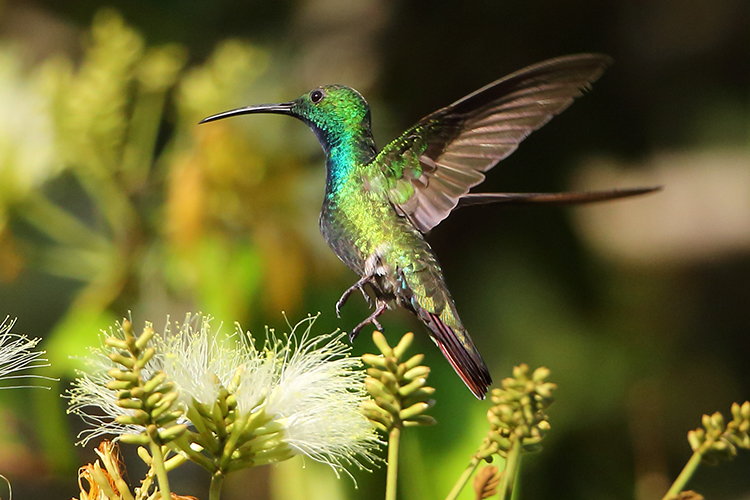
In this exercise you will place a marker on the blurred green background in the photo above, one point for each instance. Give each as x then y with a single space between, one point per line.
113 200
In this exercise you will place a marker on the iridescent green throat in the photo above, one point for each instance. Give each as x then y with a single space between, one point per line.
347 151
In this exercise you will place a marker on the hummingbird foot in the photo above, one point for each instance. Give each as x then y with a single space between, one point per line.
359 285
371 319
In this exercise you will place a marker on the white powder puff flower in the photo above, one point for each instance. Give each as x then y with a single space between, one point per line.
318 395
309 387
201 363
93 401
298 395
17 355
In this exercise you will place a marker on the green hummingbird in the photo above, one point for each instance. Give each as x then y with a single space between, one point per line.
378 206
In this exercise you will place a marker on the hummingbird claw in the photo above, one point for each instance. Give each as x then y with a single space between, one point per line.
353 335
359 285
371 319
339 303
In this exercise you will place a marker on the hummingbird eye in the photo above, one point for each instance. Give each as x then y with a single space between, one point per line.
316 96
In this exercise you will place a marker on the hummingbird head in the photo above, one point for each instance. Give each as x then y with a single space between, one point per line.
335 113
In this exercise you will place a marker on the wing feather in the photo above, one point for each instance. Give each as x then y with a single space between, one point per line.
445 154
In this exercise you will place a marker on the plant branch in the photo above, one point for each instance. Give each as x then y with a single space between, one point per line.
217 480
161 473
392 477
459 486
511 470
685 475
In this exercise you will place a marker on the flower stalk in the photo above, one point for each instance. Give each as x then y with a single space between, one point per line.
400 397
517 425
713 443
392 474
510 473
217 481
464 478
148 397
247 407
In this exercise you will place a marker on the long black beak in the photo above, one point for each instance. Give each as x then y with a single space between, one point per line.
284 108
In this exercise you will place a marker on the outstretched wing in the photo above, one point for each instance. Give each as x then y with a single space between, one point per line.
434 163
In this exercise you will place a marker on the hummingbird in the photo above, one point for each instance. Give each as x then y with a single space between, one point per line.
379 205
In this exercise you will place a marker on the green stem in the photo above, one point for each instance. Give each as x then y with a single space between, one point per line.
516 494
687 472
174 462
61 226
463 479
183 445
99 183
230 444
142 135
217 480
209 438
392 476
161 473
511 470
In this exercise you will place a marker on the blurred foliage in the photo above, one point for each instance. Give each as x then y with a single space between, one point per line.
112 199
125 196
198 216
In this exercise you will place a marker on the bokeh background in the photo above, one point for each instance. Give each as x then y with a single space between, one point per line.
113 200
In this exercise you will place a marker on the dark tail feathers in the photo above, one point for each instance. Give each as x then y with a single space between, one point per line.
466 360
570 198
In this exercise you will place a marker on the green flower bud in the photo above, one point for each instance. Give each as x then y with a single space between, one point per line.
412 387
116 343
132 404
375 373
398 388
386 405
416 372
155 382
382 344
414 361
144 338
153 399
172 433
403 345
139 417
745 410
420 420
116 385
167 399
125 361
376 361
518 413
412 411
717 420
168 418
145 358
378 390
540 374
391 366
144 454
